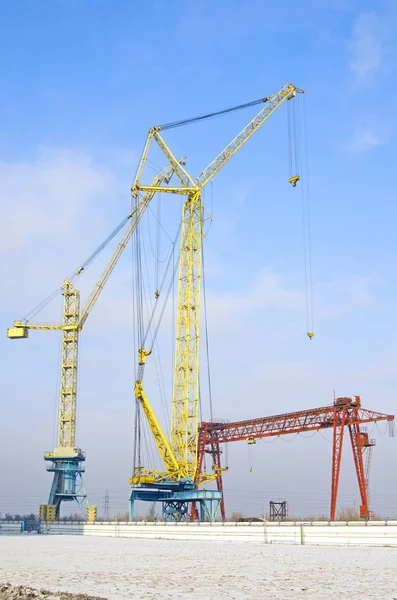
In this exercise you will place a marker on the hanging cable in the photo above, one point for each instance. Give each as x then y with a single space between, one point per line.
294 167
154 350
298 166
84 265
158 242
174 124
137 425
75 274
170 262
200 402
206 337
308 216
146 310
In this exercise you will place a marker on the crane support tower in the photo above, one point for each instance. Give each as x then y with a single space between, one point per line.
178 485
66 460
344 412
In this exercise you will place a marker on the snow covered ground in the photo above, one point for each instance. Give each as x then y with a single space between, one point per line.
121 569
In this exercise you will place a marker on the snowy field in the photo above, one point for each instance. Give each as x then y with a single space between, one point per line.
121 569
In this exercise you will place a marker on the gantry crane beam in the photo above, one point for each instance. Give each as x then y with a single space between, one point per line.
297 422
185 398
345 412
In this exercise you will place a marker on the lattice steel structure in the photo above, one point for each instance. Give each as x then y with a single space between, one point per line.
278 510
66 459
345 412
179 453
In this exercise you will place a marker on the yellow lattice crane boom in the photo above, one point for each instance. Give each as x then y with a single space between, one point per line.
66 457
179 454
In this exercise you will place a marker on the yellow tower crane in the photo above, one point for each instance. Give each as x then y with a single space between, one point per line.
178 484
66 459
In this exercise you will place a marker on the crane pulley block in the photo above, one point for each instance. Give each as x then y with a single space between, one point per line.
219 469
294 180
143 354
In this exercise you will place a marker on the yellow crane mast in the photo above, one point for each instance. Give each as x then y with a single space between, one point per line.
175 486
66 459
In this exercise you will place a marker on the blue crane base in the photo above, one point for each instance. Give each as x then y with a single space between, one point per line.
67 484
175 504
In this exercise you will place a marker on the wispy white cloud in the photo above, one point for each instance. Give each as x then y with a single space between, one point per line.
45 197
54 210
270 297
366 140
343 296
369 133
367 47
268 292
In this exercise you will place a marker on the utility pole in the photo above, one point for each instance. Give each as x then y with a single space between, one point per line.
106 516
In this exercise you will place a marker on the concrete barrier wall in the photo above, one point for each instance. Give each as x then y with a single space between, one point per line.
11 527
376 533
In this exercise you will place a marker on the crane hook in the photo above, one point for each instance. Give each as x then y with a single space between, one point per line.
310 335
294 180
142 354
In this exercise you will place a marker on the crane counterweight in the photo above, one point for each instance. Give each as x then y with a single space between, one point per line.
17 332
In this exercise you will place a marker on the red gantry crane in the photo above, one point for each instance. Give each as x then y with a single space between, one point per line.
344 412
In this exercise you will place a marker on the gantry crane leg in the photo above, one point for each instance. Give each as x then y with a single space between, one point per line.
355 438
216 459
202 441
215 452
339 430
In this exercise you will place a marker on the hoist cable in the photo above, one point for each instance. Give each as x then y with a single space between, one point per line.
307 236
306 159
295 109
304 242
158 239
168 291
144 305
74 275
162 228
161 385
155 251
152 327
212 114
151 319
134 320
30 315
289 134
99 249
156 353
206 338
298 162
200 401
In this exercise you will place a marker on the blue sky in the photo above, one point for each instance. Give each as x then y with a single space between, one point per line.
81 84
